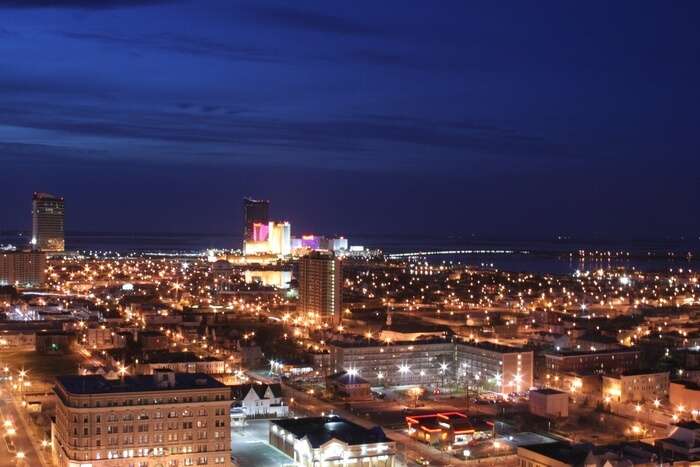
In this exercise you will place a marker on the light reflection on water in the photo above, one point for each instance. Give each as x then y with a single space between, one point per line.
544 256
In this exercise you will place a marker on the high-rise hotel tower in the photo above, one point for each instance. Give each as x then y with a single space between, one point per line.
47 222
320 286
254 212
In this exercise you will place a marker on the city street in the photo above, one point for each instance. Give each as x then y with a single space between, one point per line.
22 439
249 446
408 449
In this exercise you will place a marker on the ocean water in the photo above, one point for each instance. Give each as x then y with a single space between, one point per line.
558 256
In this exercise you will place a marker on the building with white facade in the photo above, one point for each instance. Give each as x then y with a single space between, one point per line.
549 403
259 400
331 440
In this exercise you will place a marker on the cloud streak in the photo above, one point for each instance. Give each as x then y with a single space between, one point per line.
177 43
218 132
80 4
307 20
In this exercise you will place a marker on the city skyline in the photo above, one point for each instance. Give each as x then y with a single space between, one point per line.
264 233
23 237
560 120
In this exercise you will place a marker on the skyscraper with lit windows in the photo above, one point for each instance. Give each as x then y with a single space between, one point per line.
254 212
48 222
320 286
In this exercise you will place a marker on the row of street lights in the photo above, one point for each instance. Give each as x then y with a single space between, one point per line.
8 425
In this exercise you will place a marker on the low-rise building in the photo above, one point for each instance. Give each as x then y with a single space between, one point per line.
19 339
562 454
153 340
179 362
169 419
331 441
434 361
348 386
549 403
448 429
54 341
636 386
604 361
585 384
99 338
683 442
394 363
494 367
259 400
146 363
595 342
684 395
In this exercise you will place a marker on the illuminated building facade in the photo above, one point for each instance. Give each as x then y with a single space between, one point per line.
684 395
604 361
320 286
316 242
48 222
23 268
254 212
168 419
280 239
549 403
395 364
273 238
494 367
331 440
312 242
274 278
635 386
452 429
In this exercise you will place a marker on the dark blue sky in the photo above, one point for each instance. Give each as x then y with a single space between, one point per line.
512 118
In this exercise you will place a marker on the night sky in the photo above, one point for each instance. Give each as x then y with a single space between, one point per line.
516 119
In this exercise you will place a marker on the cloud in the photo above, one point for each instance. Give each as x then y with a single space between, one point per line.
178 43
31 154
191 132
80 4
308 20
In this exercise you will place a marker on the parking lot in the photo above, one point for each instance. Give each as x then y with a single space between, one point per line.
249 446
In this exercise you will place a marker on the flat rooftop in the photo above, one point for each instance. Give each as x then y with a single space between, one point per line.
548 391
486 345
577 353
364 342
98 384
175 357
320 430
561 451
